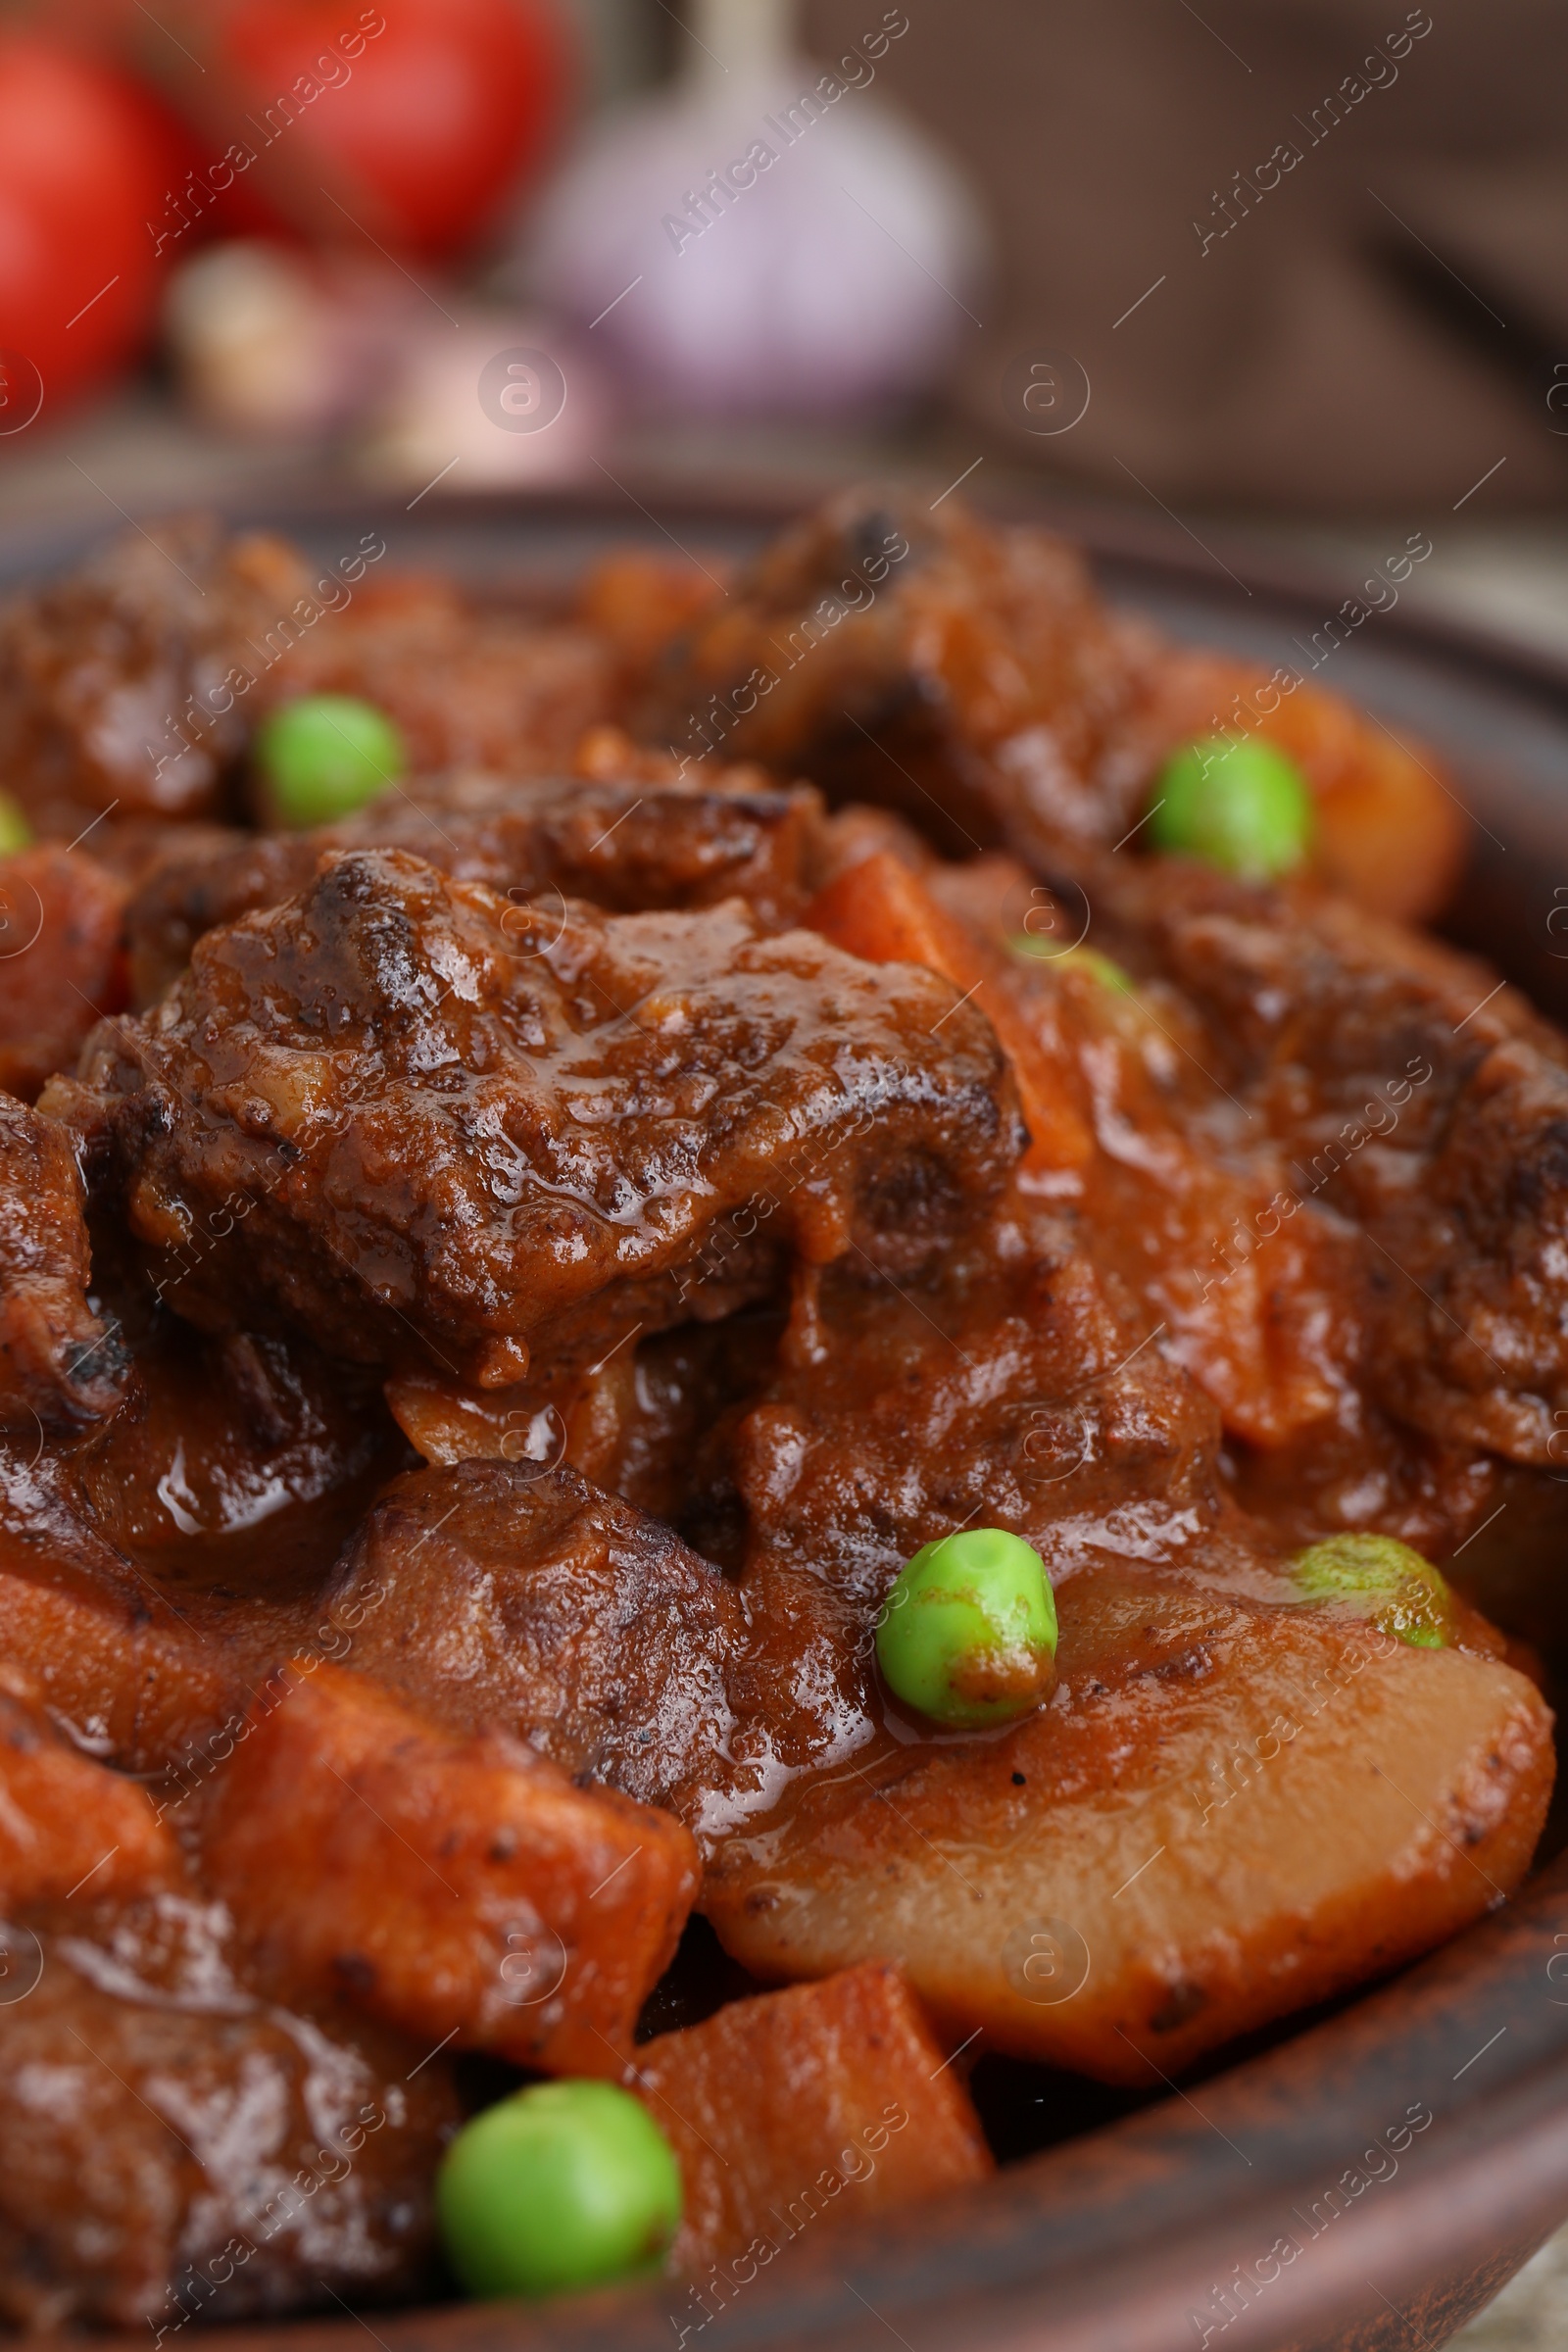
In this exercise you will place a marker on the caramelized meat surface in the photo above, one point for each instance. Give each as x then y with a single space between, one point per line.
628 847
973 678
61 1366
176 2152
170 2144
729 1181
60 961
513 1594
155 1573
1010 1389
467 685
420 1120
117 684
1412 1095
910 659
135 682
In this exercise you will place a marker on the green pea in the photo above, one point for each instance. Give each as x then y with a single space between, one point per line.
15 833
326 756
968 1633
1242 807
563 2184
1102 968
1387 1582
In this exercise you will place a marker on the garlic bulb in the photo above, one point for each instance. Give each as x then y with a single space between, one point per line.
771 239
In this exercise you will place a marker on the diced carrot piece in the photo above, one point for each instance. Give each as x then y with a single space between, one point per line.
125 1672
60 961
780 2106
1389 832
881 910
456 1887
67 1823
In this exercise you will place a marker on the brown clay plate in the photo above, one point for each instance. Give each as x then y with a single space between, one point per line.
1369 2179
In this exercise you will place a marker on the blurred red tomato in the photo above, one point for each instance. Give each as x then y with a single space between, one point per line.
435 110
85 162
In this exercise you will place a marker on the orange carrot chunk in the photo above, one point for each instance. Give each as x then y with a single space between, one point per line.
459 1887
833 2098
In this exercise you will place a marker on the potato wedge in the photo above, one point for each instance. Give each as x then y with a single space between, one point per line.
1228 1810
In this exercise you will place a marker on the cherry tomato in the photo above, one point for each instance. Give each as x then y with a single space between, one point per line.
85 162
426 113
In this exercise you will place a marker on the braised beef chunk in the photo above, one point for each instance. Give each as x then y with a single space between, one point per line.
183 899
157 1570
651 1422
1412 1094
135 682
424 1121
970 678
581 1624
61 962
1011 1389
467 683
628 847
163 2159
117 684
169 2145
61 1365
919 661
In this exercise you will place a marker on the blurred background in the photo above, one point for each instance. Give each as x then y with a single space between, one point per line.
1286 269
1295 267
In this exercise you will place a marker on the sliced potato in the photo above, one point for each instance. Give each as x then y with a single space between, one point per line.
1229 1810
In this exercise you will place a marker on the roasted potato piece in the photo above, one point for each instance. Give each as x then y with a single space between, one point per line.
1229 1810
457 1887
775 2106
